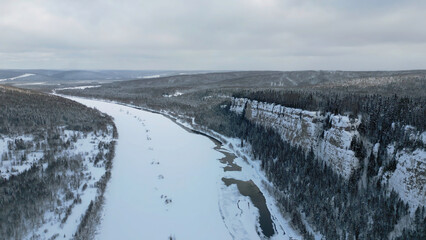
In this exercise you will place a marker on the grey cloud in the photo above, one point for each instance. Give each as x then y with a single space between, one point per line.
213 35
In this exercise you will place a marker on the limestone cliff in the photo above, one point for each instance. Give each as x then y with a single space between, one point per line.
330 137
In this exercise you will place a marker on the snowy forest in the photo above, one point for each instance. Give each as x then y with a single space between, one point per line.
45 176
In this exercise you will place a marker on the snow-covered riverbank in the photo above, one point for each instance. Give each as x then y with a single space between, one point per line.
167 182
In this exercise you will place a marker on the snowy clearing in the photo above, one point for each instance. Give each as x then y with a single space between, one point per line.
79 87
151 76
30 84
20 76
176 94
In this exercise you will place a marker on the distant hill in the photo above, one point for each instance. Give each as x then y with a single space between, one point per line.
383 82
27 77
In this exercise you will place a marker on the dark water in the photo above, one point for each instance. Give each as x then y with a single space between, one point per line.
228 159
249 189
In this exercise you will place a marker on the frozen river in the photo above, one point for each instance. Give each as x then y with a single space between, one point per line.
168 182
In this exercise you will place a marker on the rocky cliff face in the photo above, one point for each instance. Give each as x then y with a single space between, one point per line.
330 137
409 177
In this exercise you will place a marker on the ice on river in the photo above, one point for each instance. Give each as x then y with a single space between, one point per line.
167 182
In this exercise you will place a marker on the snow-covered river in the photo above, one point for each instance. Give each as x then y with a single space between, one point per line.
168 182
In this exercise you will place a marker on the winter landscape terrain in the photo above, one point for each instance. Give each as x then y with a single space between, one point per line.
239 120
347 157
243 155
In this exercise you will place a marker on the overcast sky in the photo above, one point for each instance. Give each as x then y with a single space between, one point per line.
213 35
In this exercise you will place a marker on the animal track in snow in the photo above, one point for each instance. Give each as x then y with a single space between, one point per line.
166 199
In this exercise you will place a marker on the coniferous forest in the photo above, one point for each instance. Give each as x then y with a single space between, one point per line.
42 132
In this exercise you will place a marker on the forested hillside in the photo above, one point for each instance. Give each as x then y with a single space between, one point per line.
56 157
24 111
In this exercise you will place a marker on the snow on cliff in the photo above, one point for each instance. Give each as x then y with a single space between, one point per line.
304 128
332 144
409 178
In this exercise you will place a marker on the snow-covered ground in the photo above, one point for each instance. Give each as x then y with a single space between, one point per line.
87 147
151 76
409 177
167 182
30 83
252 171
79 87
84 146
14 162
20 76
176 94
